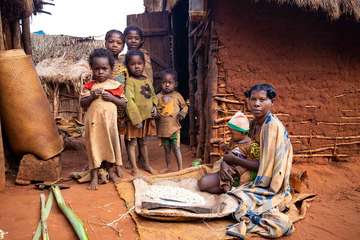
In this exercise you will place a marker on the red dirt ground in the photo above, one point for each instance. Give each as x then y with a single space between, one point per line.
335 214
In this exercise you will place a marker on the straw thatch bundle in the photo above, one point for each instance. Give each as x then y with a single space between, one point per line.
66 71
334 8
68 47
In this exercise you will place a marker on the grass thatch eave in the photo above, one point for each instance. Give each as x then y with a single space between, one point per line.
334 8
64 71
68 47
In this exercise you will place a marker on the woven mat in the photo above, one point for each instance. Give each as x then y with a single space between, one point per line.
152 229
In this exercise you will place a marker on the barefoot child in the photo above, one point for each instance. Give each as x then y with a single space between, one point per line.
114 42
241 146
101 97
172 109
141 108
134 38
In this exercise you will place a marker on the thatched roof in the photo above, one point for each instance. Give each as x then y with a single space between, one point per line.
61 70
55 46
17 9
334 8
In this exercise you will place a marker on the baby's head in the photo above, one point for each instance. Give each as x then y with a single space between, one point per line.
114 41
134 37
239 126
168 81
102 63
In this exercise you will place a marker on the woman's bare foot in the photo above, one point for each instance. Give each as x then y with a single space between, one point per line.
127 164
94 180
135 172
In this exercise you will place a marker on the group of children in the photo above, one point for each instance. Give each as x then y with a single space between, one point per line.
121 101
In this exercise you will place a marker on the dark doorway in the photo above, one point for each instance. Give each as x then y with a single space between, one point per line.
179 21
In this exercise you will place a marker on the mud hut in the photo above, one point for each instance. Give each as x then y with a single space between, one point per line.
309 50
61 62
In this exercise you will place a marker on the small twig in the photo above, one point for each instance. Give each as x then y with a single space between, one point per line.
121 217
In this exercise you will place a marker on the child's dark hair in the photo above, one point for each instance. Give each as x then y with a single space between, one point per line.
101 53
132 53
134 28
169 71
114 31
268 88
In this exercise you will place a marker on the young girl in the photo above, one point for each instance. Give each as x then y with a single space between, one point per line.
141 108
172 109
101 97
134 39
114 42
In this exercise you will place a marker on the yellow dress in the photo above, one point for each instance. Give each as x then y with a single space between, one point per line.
101 130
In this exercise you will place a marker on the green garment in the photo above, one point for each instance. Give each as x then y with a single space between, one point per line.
141 98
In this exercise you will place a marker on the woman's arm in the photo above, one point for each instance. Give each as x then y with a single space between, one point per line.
243 162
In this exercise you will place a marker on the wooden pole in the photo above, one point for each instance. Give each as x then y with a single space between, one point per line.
2 163
16 34
200 94
56 100
26 35
2 44
211 92
192 133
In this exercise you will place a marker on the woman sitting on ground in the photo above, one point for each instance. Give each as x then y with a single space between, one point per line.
262 201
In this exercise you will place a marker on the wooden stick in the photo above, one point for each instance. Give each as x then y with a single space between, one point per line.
220 99
26 35
212 79
224 94
56 100
319 155
218 126
192 133
328 147
355 117
325 137
331 123
220 120
200 93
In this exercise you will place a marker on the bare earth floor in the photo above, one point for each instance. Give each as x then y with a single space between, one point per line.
334 214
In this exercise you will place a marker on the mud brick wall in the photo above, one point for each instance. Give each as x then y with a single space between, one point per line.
313 63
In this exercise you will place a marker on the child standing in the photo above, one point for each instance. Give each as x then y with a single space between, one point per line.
172 109
101 97
114 42
141 108
134 38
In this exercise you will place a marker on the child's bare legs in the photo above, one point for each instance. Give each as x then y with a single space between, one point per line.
177 152
210 183
145 155
131 146
127 161
94 179
167 149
